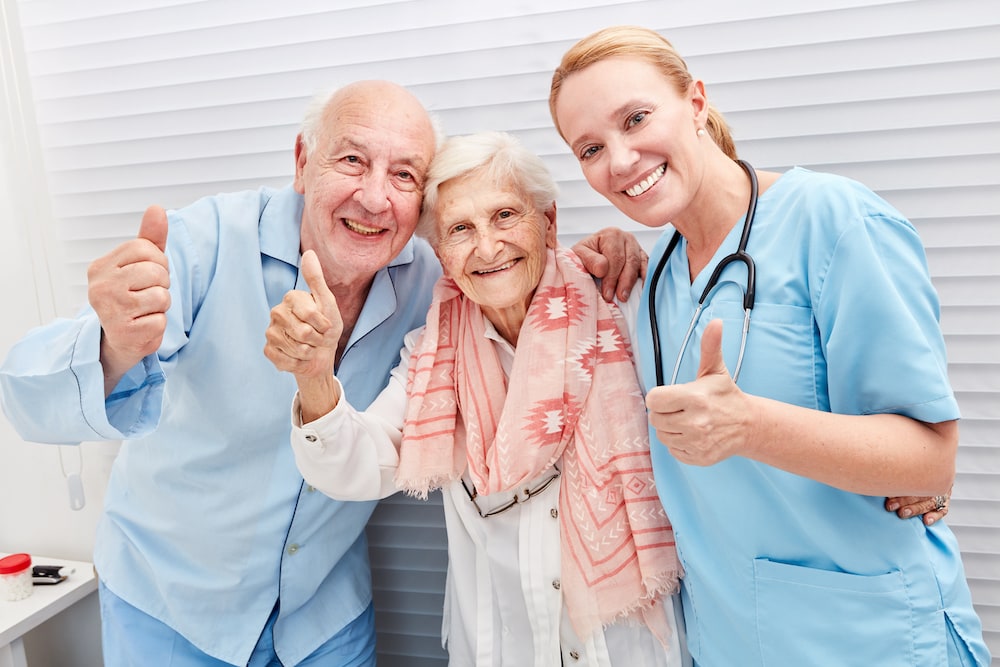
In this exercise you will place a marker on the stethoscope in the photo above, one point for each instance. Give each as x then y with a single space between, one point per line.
740 255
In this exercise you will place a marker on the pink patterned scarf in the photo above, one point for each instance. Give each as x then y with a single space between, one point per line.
576 398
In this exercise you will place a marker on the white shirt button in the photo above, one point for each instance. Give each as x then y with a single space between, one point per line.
575 655
555 584
311 438
554 513
293 549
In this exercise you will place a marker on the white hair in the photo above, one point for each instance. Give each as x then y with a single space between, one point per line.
312 121
505 161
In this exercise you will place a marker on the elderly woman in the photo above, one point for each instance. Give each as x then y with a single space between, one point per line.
519 399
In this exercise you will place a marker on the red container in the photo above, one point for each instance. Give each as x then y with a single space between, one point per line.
15 577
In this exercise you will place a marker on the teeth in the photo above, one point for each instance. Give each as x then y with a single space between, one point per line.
499 268
639 188
361 229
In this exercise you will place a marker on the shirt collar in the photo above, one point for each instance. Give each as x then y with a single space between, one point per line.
281 225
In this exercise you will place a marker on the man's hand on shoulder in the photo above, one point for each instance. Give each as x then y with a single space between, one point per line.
614 256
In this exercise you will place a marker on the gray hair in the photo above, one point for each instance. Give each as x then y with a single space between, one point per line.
312 121
505 161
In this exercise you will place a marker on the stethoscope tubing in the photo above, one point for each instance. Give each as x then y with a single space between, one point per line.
749 295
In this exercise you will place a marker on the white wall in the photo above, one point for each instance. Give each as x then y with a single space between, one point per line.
35 514
111 105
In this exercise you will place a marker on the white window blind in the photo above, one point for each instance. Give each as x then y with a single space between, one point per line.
159 101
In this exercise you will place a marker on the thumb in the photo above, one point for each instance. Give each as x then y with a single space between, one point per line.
154 226
312 271
712 362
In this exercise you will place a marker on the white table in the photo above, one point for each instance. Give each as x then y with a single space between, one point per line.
18 618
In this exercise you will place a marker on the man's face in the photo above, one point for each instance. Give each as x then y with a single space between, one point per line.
363 181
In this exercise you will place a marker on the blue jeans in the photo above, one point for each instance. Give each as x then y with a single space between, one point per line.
133 638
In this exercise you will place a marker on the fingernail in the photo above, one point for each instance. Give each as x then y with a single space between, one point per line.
907 512
893 507
930 522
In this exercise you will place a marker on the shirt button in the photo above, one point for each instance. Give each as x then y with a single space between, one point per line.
311 438
575 655
293 549
555 584
554 512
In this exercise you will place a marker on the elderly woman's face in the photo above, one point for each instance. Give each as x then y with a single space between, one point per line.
493 244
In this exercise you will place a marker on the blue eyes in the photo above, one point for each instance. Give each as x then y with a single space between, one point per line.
631 121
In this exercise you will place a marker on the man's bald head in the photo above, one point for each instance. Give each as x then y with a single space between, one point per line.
377 98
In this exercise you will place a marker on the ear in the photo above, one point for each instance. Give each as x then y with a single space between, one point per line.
699 102
301 155
551 232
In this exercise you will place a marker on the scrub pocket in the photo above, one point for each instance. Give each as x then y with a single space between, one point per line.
807 616
783 355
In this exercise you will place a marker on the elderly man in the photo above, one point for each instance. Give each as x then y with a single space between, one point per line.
211 549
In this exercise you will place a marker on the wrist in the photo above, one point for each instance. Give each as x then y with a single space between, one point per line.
317 396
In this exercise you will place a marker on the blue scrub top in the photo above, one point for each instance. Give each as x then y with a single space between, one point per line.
780 569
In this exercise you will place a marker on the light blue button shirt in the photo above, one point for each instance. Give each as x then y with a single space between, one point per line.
207 520
780 569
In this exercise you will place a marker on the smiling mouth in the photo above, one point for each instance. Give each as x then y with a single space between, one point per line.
362 229
502 267
646 184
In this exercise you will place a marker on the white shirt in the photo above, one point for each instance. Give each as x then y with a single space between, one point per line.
503 601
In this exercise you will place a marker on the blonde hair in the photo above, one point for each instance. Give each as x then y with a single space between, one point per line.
644 44
504 160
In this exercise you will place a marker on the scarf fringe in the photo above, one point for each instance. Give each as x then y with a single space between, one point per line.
666 584
421 488
662 586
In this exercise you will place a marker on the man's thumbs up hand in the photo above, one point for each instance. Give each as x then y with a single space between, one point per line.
153 227
129 290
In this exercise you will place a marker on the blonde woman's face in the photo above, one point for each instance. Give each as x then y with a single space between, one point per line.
634 136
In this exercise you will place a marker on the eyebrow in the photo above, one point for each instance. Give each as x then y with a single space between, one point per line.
617 112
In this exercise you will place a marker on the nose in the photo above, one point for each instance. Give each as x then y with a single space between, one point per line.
488 243
373 193
623 157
